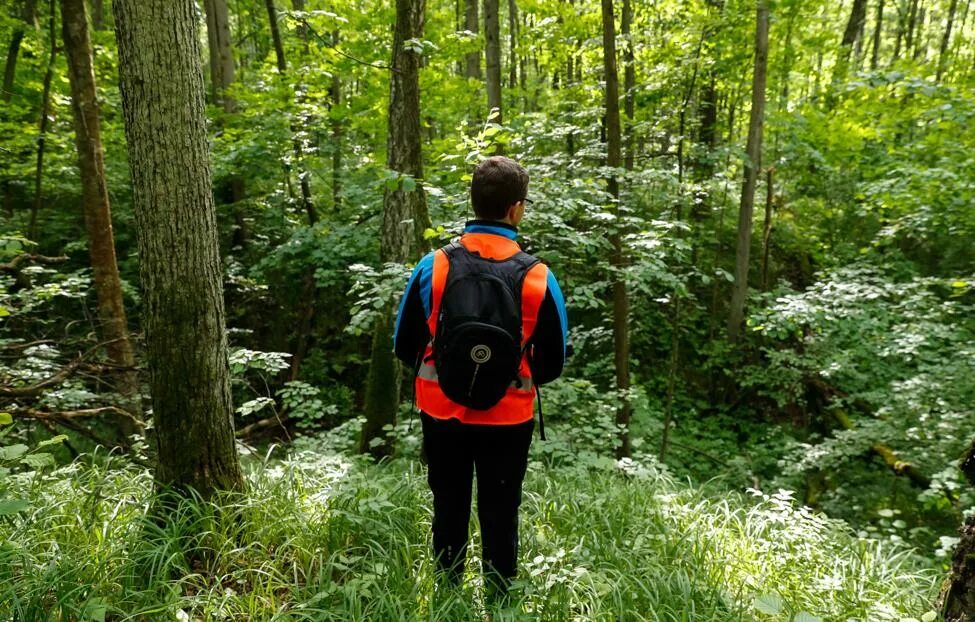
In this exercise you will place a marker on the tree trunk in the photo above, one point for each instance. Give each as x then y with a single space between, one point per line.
222 75
958 593
162 91
877 32
851 40
767 227
272 15
10 68
222 69
629 81
621 337
97 14
472 24
32 232
946 39
282 64
920 45
405 218
512 44
94 196
753 161
911 23
492 54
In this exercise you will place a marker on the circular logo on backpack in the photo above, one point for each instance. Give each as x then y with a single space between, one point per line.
480 354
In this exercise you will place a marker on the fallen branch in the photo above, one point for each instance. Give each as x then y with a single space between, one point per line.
63 415
35 389
882 450
264 424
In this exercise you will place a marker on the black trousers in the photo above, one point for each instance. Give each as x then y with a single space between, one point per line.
499 456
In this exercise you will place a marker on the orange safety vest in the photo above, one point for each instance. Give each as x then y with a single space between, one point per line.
517 404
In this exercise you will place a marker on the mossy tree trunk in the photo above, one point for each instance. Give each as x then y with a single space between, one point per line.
958 595
161 84
405 218
95 204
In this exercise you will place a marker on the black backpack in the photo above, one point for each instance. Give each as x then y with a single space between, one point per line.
477 348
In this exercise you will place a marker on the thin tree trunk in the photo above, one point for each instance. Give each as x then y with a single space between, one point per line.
629 81
162 91
97 211
97 14
32 232
753 161
472 24
957 600
492 53
10 67
512 44
282 65
877 32
222 75
946 39
621 337
222 68
405 218
920 45
767 232
911 23
850 41
272 15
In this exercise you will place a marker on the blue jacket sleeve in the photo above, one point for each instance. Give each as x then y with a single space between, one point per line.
411 334
549 341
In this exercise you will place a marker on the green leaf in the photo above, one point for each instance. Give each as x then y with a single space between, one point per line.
38 461
12 506
409 184
12 452
772 604
805 616
929 616
54 440
6 419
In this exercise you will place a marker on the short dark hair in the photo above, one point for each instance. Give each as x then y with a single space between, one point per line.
497 184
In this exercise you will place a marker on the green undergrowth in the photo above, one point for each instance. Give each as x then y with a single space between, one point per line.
321 537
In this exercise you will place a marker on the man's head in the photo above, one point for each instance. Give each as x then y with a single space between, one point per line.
498 190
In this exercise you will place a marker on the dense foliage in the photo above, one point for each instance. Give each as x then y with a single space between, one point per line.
852 385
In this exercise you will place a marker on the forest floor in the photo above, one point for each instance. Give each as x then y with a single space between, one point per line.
332 537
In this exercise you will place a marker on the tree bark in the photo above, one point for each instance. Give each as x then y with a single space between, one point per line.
97 14
32 232
621 337
472 60
512 44
95 203
272 15
851 39
405 218
222 69
767 227
957 598
10 67
877 32
946 39
753 162
629 81
162 92
492 54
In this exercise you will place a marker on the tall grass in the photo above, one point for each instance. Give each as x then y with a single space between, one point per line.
333 538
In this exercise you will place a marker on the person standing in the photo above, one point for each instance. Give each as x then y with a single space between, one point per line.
483 324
